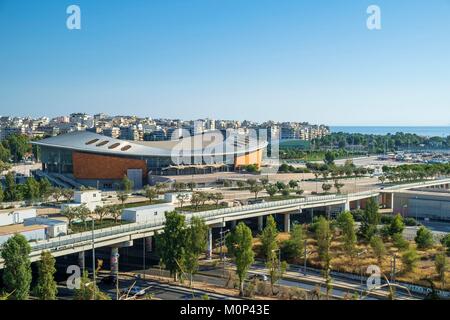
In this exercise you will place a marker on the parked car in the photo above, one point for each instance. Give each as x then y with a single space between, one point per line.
260 277
135 291
255 201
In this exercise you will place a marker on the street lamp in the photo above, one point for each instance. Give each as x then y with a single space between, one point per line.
93 257
222 240
361 270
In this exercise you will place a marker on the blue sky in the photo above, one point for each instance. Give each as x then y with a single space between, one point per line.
286 60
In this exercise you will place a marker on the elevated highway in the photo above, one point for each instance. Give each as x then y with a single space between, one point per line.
80 242
115 236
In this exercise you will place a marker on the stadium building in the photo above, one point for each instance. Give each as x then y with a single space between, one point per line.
100 161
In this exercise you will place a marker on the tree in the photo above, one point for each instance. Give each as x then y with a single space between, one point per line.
195 244
256 189
347 224
324 239
397 225
378 248
70 213
217 197
329 158
240 184
67 194
4 166
371 218
83 213
269 237
12 192
409 260
294 246
56 193
446 242
264 181
31 189
441 266
424 238
170 242
18 146
399 242
101 212
17 267
122 196
2 195
5 154
45 188
326 187
46 286
178 186
115 212
338 186
86 290
271 190
251 182
150 193
182 198
293 184
276 268
280 185
239 244
126 184
192 185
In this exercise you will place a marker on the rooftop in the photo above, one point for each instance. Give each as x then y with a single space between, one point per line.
199 145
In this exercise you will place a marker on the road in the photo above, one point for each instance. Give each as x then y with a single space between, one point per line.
294 277
159 291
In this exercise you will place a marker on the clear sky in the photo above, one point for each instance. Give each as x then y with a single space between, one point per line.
286 60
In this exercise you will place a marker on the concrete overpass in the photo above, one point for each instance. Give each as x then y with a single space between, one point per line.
125 234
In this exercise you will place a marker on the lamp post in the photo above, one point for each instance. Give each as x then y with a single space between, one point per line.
361 271
222 239
93 258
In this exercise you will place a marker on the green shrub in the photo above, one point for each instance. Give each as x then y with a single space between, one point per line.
400 242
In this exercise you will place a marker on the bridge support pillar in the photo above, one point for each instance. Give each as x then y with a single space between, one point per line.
358 204
81 260
260 223
312 214
114 261
287 222
347 206
328 212
392 201
149 244
209 246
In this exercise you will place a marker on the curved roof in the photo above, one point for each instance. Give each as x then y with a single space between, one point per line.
208 144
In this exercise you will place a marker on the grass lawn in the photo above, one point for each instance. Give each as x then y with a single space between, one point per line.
425 268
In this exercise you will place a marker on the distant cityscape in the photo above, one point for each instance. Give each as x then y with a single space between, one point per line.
147 129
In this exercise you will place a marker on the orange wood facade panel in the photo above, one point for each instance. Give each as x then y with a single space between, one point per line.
94 166
250 158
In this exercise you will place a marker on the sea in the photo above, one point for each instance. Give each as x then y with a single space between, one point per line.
382 130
